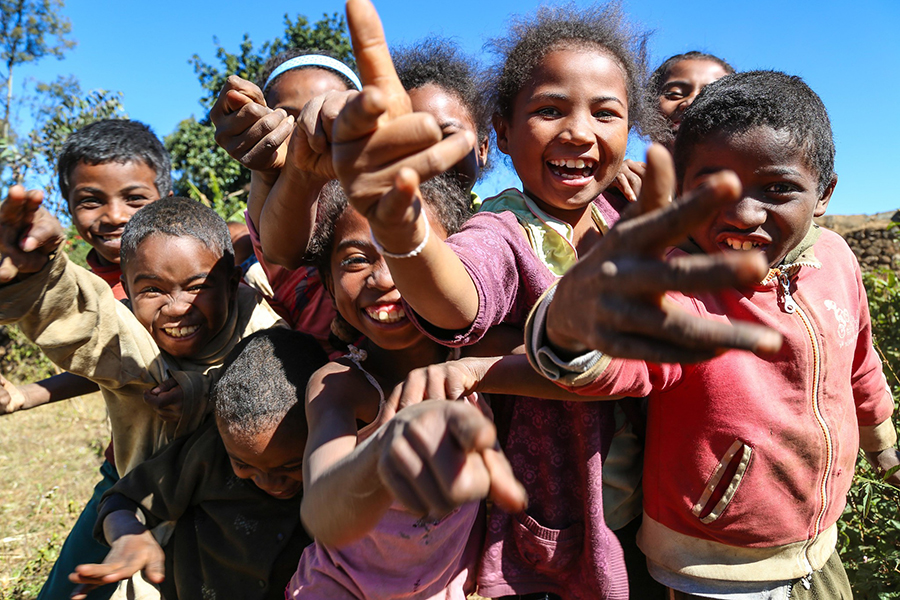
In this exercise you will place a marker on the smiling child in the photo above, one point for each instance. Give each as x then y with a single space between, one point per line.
188 312
233 487
749 458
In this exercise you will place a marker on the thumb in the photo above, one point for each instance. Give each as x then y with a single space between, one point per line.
155 572
506 491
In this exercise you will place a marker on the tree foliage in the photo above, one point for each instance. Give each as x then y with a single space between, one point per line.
206 172
29 31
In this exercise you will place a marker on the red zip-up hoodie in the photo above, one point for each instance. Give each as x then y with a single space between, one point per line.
749 459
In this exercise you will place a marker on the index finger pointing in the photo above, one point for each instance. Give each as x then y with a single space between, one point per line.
372 55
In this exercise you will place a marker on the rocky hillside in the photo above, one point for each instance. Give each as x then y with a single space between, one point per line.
875 242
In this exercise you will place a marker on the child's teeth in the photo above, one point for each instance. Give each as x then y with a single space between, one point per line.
182 331
579 164
382 315
747 245
570 164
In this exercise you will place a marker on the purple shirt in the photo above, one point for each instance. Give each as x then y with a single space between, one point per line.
561 544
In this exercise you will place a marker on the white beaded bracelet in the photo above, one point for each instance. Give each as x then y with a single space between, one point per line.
414 252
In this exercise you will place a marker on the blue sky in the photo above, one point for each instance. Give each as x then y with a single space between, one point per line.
848 52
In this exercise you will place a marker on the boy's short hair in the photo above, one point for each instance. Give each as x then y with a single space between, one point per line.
263 378
115 140
282 57
743 101
178 217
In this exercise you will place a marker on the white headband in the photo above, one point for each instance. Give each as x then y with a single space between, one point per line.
314 60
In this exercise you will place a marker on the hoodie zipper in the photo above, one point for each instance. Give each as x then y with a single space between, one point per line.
790 306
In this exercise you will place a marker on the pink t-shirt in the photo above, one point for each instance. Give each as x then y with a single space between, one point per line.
402 557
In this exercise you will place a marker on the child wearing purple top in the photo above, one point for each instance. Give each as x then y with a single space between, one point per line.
567 94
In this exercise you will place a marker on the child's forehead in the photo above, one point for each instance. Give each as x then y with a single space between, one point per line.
160 250
759 144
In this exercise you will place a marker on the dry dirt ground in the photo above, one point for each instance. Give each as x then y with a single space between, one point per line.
49 460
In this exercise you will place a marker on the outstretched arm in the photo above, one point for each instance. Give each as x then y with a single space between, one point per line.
132 549
53 389
381 150
431 457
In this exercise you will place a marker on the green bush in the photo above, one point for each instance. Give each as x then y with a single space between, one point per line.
869 540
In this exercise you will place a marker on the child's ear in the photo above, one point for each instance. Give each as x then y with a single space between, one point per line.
482 152
822 203
500 126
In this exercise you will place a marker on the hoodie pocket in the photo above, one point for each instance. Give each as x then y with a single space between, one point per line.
723 484
545 549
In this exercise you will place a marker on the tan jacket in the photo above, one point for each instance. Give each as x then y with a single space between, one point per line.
77 322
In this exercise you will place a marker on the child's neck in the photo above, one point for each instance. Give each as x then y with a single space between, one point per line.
584 231
392 366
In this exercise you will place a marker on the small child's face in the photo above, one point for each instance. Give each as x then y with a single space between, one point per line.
296 87
568 129
181 291
103 198
362 286
452 116
272 459
684 80
779 199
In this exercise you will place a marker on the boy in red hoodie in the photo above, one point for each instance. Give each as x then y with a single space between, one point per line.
749 458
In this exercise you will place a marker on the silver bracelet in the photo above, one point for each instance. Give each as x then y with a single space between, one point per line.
414 252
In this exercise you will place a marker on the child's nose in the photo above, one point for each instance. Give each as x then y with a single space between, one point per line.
746 213
117 213
380 277
578 128
179 303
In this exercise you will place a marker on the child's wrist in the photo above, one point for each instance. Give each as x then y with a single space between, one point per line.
401 241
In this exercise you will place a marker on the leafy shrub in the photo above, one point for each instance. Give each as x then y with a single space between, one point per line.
869 539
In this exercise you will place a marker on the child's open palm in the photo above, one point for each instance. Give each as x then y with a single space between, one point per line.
28 233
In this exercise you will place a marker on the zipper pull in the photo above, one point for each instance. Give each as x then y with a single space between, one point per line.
787 301
806 581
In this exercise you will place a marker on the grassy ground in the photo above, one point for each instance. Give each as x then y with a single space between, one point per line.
49 458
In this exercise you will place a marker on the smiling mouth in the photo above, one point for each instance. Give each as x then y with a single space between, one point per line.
180 332
743 245
572 168
387 314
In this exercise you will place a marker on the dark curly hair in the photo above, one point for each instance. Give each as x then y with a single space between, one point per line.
114 140
603 27
177 217
441 62
658 77
263 379
449 203
743 101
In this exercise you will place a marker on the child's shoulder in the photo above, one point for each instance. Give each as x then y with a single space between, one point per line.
343 385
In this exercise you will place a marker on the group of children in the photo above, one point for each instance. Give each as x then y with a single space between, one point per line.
562 352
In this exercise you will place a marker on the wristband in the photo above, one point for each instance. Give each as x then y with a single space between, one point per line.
414 252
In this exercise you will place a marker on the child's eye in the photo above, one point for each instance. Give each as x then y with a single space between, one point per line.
137 199
605 114
673 95
548 111
198 287
355 260
89 202
780 189
150 292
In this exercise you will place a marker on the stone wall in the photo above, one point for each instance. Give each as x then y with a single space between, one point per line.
871 237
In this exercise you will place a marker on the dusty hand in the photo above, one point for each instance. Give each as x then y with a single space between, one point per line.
251 132
309 149
128 554
377 135
613 299
11 397
629 179
167 399
438 455
28 233
883 462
